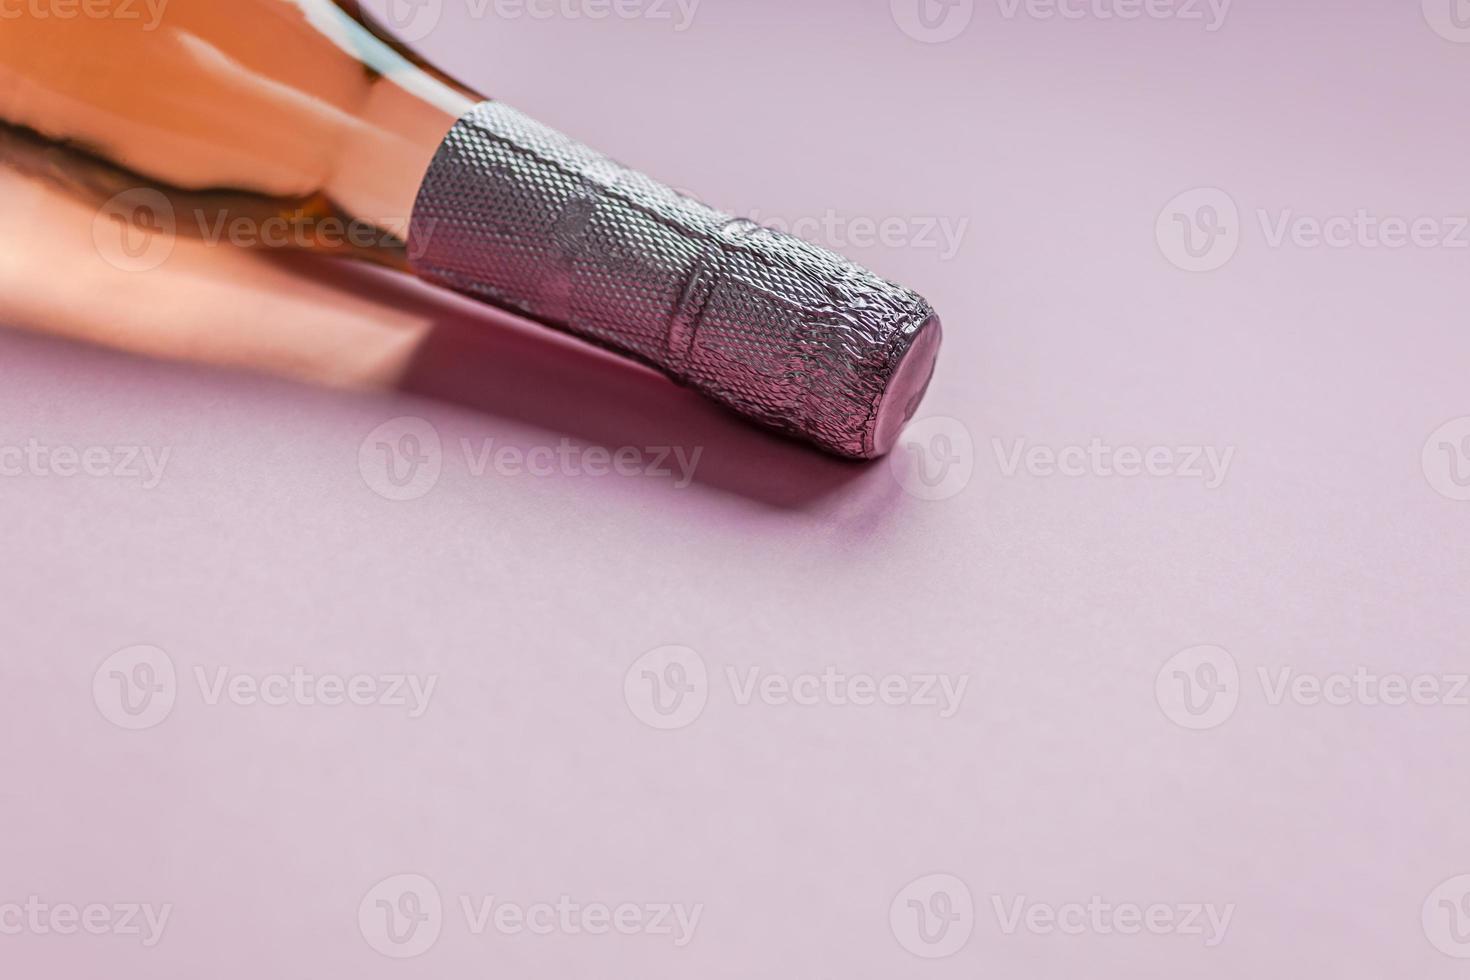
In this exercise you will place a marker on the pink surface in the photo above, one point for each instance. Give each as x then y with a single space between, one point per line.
1128 769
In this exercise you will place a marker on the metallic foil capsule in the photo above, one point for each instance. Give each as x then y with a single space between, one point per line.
782 331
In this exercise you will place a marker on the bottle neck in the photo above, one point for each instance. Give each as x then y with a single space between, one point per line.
287 105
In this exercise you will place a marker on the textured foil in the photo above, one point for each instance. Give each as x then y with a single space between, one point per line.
782 331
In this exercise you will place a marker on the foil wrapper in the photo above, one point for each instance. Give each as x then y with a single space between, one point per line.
784 332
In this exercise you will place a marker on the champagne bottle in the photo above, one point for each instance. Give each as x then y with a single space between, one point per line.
301 124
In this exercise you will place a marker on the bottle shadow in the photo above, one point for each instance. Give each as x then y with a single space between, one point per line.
319 320
500 365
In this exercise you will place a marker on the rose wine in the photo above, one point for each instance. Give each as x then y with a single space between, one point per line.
232 108
300 124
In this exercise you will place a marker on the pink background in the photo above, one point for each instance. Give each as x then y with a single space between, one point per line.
1327 548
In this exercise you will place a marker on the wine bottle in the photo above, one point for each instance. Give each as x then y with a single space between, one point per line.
302 124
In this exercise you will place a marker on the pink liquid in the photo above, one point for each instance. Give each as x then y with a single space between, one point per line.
235 109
